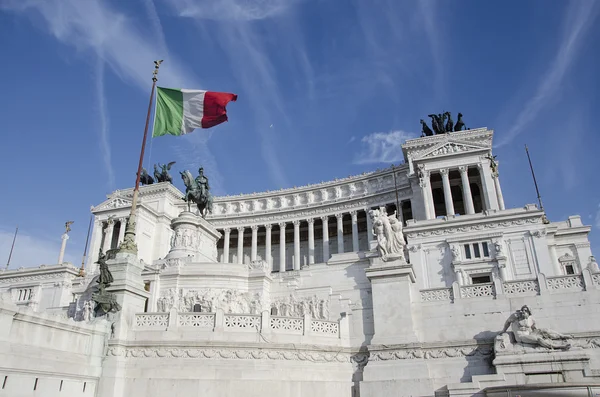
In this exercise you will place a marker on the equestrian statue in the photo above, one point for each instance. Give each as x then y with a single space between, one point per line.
197 191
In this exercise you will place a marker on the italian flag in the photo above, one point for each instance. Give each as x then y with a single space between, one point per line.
180 111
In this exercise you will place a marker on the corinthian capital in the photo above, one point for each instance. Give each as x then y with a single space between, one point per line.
444 172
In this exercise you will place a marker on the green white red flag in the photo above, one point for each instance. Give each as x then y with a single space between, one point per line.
180 111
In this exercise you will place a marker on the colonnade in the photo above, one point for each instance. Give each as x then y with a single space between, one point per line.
358 225
108 236
466 181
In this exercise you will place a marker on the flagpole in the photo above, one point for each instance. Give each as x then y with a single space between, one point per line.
537 190
87 239
11 248
128 245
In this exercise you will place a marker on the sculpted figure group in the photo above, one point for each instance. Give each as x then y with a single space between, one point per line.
442 123
230 301
525 331
293 307
161 174
388 231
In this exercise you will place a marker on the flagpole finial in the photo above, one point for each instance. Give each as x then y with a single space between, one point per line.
155 72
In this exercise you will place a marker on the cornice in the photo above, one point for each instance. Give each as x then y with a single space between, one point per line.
38 273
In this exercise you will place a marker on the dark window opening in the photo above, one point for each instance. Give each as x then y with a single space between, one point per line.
481 279
35 384
406 210
467 251
84 384
486 251
197 308
4 383
569 269
457 200
60 387
476 252
273 311
114 243
439 204
146 306
477 199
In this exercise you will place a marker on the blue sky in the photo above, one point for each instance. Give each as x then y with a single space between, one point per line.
326 89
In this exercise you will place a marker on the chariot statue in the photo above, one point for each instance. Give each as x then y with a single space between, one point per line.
145 178
163 175
197 191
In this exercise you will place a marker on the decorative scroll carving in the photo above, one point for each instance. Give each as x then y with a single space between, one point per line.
258 264
229 353
478 227
437 294
435 353
230 301
294 307
538 233
324 327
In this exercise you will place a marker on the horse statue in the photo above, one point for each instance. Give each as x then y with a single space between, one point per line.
146 179
459 123
426 130
197 193
449 123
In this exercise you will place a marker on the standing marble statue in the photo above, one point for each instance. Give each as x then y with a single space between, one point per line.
87 311
388 231
523 327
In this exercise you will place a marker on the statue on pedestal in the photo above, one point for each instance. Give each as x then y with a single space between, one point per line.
388 231
197 191
105 301
523 327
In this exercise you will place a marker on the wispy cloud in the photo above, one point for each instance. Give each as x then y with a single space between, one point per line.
104 124
239 38
112 35
232 10
578 19
29 250
598 217
382 147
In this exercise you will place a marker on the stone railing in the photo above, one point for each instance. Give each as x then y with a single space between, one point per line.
325 327
231 322
152 320
196 320
571 282
542 285
521 287
477 290
292 325
242 321
437 294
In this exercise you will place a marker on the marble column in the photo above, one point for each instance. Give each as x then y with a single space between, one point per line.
311 241
227 232
254 248
108 235
63 246
240 247
325 220
354 231
485 187
296 245
94 247
425 184
340 232
447 191
369 228
282 247
122 231
499 195
466 189
268 257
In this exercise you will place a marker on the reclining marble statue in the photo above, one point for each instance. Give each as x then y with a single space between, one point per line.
525 331
388 232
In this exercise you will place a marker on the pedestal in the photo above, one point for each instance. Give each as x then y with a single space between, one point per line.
393 287
194 239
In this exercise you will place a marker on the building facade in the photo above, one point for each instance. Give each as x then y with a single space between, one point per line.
284 293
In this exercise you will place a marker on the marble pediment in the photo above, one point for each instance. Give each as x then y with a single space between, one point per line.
450 148
113 203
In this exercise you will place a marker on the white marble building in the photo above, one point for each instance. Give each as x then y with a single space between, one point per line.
283 293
